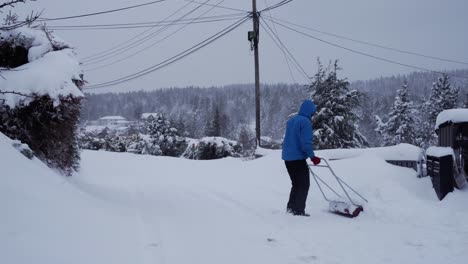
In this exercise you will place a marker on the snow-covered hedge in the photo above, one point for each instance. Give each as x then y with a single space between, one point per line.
40 95
209 148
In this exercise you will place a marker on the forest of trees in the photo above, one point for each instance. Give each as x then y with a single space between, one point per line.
229 111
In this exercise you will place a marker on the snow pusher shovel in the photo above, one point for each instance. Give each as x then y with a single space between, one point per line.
343 208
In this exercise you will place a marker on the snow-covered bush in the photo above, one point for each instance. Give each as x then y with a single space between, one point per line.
40 96
164 135
209 148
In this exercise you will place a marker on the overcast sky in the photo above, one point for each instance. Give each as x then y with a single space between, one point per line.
431 27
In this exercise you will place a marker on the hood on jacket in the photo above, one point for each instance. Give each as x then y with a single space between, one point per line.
307 109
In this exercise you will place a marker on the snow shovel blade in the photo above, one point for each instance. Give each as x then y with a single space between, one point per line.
345 209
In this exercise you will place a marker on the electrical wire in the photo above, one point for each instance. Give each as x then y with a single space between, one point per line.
147 26
152 45
276 5
372 44
101 12
137 43
220 6
144 24
365 54
99 54
284 49
173 59
284 53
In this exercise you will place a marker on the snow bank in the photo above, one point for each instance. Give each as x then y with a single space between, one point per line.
46 219
47 73
124 208
397 153
452 115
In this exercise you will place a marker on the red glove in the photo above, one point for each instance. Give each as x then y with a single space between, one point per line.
316 160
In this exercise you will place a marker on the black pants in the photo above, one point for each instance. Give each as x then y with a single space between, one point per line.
299 174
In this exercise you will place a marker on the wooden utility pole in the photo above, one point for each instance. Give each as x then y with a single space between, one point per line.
254 37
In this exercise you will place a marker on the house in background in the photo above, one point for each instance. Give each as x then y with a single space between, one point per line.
113 121
145 116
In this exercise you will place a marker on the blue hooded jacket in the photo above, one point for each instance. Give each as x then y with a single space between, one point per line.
297 144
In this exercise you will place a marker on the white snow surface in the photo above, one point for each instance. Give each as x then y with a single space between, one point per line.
401 151
452 115
440 152
126 208
47 73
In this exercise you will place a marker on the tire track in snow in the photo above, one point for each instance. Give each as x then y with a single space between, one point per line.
152 249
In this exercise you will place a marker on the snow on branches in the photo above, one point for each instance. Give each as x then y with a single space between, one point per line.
335 120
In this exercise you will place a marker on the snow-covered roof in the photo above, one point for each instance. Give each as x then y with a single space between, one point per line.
440 151
452 115
112 118
146 115
47 73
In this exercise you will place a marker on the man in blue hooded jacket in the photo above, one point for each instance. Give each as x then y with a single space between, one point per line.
297 148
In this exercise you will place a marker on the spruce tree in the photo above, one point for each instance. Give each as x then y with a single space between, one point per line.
335 120
465 103
443 96
213 127
400 126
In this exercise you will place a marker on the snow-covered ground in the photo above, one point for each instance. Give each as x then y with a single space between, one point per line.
126 208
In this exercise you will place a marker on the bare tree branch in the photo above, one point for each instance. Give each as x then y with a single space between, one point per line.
12 3
28 21
17 93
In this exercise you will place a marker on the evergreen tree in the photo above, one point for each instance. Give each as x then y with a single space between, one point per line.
465 103
335 119
213 128
443 96
400 127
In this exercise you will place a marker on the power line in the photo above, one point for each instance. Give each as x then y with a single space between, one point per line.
284 53
220 6
153 44
140 41
284 49
143 24
365 54
90 57
101 12
173 59
276 5
147 26
372 44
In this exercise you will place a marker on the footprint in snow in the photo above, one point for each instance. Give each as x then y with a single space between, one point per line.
308 259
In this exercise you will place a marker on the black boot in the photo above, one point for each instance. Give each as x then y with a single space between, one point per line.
302 214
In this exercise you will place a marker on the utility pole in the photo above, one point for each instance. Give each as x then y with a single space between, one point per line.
253 38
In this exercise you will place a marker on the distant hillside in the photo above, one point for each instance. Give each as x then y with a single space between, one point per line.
419 84
194 107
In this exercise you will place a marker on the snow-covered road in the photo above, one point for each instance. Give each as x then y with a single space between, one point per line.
125 208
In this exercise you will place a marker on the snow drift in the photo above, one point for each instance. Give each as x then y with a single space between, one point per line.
126 208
